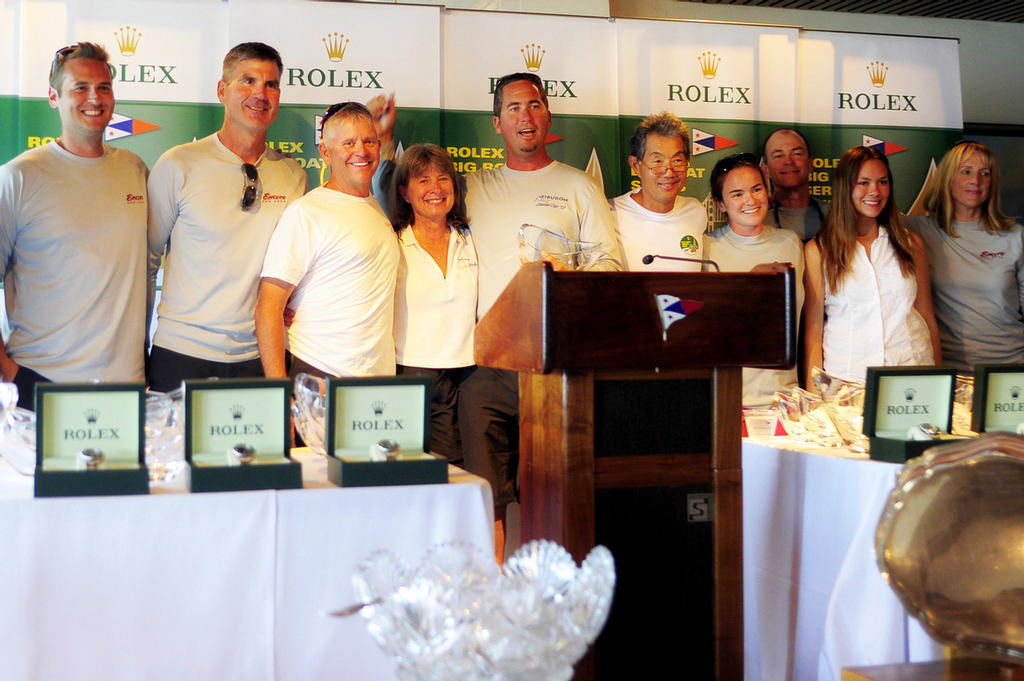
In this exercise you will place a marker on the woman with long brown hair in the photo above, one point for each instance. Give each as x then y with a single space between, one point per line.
866 284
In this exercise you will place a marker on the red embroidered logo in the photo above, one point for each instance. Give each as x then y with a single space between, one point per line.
989 255
134 199
273 198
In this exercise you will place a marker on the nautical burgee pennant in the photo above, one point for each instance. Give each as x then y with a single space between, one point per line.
123 126
703 142
886 148
673 309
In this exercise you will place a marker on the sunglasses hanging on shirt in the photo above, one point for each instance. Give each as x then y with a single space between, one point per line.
252 178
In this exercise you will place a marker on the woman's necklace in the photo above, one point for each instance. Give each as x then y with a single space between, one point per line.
436 247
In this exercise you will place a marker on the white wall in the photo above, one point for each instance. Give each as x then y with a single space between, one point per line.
990 53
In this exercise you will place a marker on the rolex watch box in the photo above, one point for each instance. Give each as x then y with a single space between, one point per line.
998 400
238 435
905 403
378 432
90 439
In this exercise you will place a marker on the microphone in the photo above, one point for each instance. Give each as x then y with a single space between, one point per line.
648 259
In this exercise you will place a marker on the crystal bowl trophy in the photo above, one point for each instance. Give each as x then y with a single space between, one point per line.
536 241
844 403
459 617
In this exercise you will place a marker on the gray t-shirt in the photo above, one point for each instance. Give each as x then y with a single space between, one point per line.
977 291
73 258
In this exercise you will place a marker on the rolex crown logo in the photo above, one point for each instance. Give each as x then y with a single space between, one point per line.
909 394
533 55
91 415
1015 391
127 40
336 44
709 62
237 411
378 407
877 71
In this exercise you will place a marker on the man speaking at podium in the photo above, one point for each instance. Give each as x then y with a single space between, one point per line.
535 189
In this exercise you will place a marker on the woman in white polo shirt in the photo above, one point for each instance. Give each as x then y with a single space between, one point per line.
436 293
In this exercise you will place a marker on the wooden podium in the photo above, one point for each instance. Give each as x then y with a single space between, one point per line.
597 368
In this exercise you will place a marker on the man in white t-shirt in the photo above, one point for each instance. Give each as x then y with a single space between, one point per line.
73 241
530 188
333 260
654 219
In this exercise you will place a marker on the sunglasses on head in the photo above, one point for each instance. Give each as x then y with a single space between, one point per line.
63 53
346 107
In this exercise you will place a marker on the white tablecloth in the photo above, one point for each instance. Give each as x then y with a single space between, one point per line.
221 586
814 601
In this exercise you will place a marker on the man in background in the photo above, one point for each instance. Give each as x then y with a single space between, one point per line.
213 206
786 160
73 241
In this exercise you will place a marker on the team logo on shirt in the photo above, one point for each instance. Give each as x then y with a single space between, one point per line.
273 198
688 244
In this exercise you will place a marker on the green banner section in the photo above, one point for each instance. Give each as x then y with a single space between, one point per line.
469 136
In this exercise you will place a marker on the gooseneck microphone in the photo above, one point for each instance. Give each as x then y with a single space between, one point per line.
648 259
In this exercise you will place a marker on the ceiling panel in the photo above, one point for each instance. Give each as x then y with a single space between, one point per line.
985 10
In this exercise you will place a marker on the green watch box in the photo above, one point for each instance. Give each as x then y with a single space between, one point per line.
90 439
238 435
898 400
378 432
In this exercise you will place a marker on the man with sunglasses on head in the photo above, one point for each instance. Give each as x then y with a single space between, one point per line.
213 206
654 219
73 241
333 261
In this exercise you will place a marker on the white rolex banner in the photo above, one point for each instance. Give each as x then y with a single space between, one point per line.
161 51
700 71
574 56
348 51
872 80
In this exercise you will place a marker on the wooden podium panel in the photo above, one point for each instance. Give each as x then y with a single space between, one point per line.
581 342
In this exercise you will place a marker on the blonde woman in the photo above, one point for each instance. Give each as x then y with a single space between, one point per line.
976 254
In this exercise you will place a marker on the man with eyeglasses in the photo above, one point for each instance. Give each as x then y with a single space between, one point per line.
787 162
333 261
73 241
654 218
213 206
